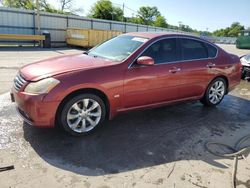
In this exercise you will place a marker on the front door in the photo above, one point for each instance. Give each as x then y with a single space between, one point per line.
145 85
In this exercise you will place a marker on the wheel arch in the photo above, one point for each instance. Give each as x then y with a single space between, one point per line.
218 76
95 91
204 98
223 77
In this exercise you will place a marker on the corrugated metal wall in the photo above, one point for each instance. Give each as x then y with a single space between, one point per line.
18 21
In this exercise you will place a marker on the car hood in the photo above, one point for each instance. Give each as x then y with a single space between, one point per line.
59 65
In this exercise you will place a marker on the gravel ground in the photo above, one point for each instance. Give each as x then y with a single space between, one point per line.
162 147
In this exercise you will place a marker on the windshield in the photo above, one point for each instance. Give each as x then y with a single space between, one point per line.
118 48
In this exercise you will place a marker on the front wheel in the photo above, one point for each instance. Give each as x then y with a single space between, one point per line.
215 92
82 114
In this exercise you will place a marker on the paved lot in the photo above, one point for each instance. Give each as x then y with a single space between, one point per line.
11 59
162 147
232 49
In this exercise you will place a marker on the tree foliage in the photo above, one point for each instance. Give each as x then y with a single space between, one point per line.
104 9
65 5
160 22
231 31
25 4
147 15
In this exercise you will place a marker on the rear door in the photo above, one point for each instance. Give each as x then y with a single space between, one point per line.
145 85
198 66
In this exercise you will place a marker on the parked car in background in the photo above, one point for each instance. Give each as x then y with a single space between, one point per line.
129 72
243 40
245 61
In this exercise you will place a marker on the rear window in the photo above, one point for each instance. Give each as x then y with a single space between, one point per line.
193 49
212 51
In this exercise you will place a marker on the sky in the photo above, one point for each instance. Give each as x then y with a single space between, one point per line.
199 14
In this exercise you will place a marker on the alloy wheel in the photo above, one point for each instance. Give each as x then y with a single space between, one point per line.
84 115
216 92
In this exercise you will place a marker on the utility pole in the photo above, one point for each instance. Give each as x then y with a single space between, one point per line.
38 25
180 25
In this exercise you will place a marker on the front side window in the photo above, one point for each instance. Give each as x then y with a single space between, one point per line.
162 51
193 49
118 48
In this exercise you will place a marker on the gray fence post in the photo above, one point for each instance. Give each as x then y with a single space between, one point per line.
67 21
34 23
91 21
34 27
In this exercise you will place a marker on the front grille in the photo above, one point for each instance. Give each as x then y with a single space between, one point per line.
19 82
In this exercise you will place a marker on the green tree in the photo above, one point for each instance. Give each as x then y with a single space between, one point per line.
231 31
25 4
160 22
133 20
235 29
104 9
148 15
65 8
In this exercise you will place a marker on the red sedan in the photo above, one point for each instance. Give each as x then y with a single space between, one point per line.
129 72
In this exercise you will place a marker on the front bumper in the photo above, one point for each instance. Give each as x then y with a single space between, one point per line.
34 109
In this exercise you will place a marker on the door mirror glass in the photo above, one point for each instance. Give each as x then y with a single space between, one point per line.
145 60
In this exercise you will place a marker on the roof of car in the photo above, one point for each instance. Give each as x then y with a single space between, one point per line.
151 35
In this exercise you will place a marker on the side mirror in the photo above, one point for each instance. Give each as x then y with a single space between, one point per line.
145 60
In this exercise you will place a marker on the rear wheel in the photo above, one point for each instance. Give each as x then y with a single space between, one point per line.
82 114
215 92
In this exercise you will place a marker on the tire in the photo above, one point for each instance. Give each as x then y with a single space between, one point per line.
215 92
82 114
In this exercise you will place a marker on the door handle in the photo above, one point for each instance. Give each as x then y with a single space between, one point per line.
174 70
211 65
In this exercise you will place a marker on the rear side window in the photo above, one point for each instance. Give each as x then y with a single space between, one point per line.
162 51
193 49
212 51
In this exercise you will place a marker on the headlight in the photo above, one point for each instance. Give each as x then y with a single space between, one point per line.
42 86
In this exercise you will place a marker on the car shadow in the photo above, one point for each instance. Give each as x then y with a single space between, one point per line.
143 139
